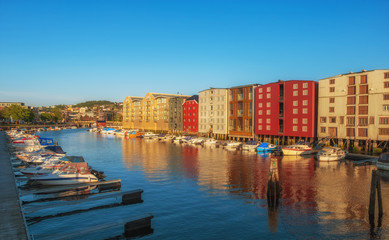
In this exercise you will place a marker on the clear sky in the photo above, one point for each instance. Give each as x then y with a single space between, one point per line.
70 51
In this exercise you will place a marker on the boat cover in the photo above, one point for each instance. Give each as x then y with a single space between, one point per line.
75 159
56 149
46 141
264 145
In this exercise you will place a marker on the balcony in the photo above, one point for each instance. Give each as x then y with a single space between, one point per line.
240 113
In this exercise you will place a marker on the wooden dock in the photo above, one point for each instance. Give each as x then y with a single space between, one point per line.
12 223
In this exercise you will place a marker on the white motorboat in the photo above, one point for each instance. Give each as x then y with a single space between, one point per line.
331 154
71 173
232 145
300 148
250 145
150 135
210 142
383 161
197 141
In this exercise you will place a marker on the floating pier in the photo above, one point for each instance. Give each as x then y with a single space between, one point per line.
12 224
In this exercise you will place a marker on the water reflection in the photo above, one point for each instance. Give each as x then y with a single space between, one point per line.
323 192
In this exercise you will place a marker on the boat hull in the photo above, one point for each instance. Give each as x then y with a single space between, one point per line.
383 166
53 179
294 152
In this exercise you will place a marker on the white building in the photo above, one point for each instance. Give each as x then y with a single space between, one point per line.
213 112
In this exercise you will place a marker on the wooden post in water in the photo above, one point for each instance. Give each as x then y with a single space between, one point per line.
273 186
375 187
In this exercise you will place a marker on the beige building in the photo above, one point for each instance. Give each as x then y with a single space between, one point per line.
213 112
353 108
132 113
150 113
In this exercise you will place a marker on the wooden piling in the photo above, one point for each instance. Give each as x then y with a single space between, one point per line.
375 190
138 226
273 186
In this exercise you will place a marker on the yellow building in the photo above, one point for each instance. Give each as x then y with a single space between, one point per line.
150 113
353 108
132 113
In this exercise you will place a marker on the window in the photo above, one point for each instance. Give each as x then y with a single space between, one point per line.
383 131
332 100
260 112
332 81
268 95
295 120
305 121
386 96
362 110
268 89
386 107
259 105
363 79
295 111
268 127
260 96
322 129
305 110
363 99
386 75
351 80
332 89
260 120
384 120
332 119
295 103
350 121
260 90
351 90
267 112
305 102
268 120
350 100
371 121
341 119
295 93
350 110
305 129
363 121
268 104
350 132
294 128
363 89
362 132
259 127
332 109
295 86
323 119
305 85
386 84
305 92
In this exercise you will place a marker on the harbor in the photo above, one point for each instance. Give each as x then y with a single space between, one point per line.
206 192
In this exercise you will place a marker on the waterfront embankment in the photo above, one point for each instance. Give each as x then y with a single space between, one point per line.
12 224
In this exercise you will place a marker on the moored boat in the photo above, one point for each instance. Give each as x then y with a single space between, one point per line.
71 173
331 154
383 161
250 145
300 148
266 147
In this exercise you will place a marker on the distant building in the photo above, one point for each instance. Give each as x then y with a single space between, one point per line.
153 111
286 109
354 108
190 110
175 114
7 104
241 112
132 113
213 112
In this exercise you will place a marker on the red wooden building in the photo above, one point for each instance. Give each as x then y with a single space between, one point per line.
287 109
190 112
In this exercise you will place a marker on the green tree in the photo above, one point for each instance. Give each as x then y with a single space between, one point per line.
28 115
15 112
46 117
57 114
2 114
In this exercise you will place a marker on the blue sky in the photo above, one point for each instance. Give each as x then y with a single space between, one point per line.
66 52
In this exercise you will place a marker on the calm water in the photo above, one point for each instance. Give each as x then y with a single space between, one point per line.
211 193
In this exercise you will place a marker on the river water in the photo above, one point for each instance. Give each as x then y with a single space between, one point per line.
199 192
